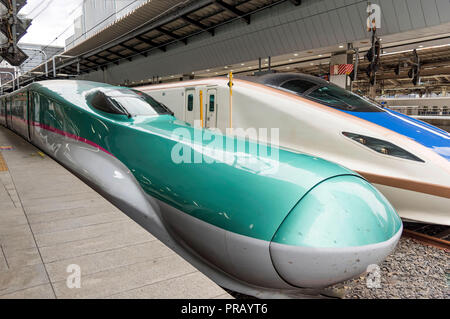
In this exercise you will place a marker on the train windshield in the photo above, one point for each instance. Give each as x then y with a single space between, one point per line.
339 98
298 86
137 103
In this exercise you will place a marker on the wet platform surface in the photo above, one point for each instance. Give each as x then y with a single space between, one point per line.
49 219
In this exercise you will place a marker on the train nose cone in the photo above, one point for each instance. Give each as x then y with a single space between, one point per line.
334 233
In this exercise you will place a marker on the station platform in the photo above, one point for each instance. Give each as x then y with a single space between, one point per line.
49 219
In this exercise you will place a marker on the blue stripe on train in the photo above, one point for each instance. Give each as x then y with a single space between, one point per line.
430 136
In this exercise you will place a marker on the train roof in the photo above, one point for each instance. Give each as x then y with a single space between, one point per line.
65 91
276 79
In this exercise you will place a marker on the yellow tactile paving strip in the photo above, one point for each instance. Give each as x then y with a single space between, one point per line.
3 166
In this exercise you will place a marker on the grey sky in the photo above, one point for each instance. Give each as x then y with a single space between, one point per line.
50 19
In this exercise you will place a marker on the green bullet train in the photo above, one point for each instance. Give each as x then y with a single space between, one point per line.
260 224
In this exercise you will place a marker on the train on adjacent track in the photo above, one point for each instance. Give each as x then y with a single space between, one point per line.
406 159
294 230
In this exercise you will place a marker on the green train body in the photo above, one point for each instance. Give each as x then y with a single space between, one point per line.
254 223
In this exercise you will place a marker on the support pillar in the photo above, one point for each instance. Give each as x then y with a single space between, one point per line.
373 91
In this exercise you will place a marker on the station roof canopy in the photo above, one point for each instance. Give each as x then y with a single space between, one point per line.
153 26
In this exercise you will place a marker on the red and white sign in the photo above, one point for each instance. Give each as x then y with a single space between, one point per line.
341 69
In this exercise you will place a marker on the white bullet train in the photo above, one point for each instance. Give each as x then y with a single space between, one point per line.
406 159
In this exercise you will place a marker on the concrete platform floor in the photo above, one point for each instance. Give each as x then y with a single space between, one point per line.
49 219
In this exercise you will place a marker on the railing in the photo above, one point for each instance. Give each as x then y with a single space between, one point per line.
422 110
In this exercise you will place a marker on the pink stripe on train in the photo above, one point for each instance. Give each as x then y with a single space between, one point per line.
70 135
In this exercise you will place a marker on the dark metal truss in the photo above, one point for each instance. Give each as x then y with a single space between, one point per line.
201 16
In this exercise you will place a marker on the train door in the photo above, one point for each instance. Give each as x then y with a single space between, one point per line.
190 106
211 109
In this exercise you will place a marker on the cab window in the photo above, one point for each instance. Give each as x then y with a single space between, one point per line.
101 102
128 102
298 86
336 97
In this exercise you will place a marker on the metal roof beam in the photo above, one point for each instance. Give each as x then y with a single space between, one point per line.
195 6
133 49
233 10
120 55
171 34
191 8
296 2
198 25
150 42
107 59
89 59
84 64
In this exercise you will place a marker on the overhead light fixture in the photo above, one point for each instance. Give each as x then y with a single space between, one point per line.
226 67
290 60
341 46
420 46
242 64
295 54
208 70
320 54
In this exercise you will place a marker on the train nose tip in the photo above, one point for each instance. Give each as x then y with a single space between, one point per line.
334 233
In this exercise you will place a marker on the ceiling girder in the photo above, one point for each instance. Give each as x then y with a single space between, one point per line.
233 10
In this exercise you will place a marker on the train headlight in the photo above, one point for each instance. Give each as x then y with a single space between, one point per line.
383 147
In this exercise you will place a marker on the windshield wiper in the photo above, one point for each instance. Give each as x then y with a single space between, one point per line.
167 109
120 106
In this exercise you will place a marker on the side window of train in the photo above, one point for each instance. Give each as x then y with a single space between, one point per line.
53 116
190 105
23 105
212 102
59 116
298 86
36 107
16 106
44 111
